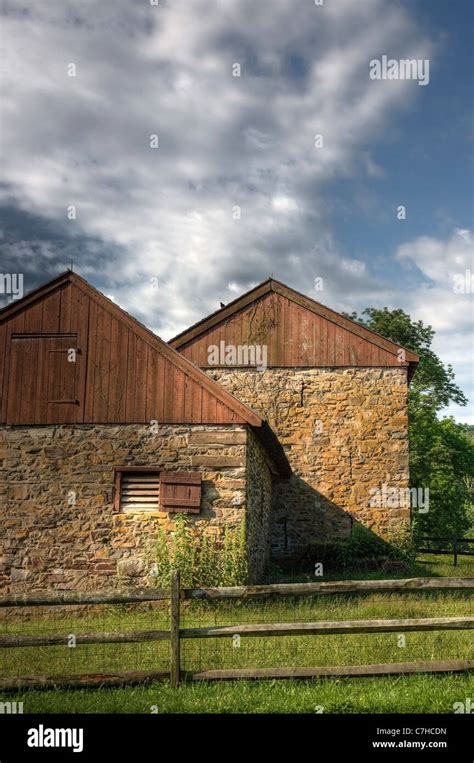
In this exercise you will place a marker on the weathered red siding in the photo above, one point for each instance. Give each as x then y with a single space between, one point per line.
120 376
294 335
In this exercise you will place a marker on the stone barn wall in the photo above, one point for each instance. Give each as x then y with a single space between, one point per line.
344 432
259 508
47 543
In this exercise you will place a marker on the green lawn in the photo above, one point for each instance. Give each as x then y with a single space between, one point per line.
410 693
404 694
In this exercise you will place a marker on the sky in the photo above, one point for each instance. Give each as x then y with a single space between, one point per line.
178 152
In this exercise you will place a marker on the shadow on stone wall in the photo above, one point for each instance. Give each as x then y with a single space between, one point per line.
302 514
306 526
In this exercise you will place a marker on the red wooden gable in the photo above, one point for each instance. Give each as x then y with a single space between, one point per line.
70 355
296 330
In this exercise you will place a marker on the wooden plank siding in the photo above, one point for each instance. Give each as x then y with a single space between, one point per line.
123 373
300 338
297 331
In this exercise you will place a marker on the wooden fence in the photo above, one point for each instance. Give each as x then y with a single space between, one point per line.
176 634
455 543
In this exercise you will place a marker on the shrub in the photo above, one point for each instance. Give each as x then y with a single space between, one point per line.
331 554
202 559
362 550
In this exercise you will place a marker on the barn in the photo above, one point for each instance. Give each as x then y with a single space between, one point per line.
106 434
335 394
275 414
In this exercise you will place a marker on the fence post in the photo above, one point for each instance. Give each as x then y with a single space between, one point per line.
455 551
174 628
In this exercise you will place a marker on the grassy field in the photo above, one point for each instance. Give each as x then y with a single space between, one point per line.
422 693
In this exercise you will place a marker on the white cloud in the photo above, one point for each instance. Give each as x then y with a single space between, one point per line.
436 303
440 260
283 203
436 300
223 140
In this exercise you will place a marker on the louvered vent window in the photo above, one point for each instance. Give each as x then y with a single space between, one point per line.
146 489
137 490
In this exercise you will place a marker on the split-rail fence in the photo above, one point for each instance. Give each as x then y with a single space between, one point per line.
176 595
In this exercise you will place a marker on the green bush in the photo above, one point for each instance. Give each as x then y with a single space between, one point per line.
403 544
202 560
362 550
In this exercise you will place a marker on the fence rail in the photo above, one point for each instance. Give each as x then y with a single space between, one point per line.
175 594
455 543
137 595
61 598
342 671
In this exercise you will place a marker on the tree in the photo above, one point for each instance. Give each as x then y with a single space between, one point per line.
433 383
442 458
441 450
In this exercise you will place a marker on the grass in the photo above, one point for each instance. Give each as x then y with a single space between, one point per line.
402 694
425 566
440 565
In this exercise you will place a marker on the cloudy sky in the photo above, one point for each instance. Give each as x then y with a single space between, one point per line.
130 147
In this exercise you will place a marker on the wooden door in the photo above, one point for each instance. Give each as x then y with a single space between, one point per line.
42 379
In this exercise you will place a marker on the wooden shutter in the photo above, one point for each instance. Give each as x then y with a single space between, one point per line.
137 491
180 492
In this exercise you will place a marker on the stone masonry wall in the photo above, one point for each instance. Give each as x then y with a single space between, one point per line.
48 544
259 507
344 431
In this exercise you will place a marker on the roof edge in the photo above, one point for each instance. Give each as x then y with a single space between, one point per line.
18 304
264 287
274 449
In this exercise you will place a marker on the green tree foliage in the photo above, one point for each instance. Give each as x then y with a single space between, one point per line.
441 450
433 384
442 458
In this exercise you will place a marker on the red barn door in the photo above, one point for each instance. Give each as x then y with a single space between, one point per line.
42 380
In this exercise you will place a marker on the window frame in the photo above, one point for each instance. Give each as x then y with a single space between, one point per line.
160 472
119 471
